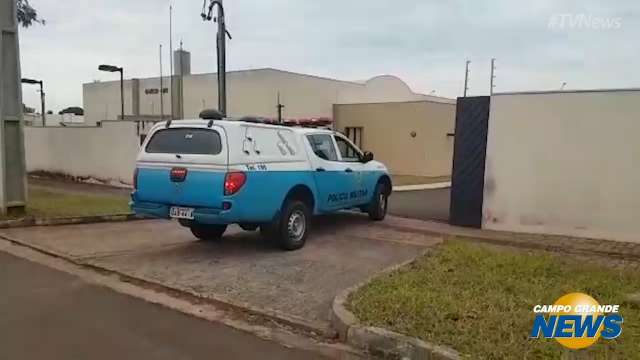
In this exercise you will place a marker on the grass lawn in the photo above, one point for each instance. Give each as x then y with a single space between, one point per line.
478 300
51 203
399 180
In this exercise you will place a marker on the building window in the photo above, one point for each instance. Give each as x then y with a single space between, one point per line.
355 135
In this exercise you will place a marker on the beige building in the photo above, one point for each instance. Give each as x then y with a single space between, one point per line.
250 92
411 138
406 130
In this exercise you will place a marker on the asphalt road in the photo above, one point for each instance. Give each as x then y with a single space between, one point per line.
422 204
47 314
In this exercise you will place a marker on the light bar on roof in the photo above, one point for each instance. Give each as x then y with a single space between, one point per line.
302 122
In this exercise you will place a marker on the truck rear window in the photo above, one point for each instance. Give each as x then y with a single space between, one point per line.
185 141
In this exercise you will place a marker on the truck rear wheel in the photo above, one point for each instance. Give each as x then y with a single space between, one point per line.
293 225
208 232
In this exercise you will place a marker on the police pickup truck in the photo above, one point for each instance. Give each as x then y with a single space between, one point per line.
211 172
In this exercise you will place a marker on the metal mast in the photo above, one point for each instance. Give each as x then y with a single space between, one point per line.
493 76
171 56
466 78
161 87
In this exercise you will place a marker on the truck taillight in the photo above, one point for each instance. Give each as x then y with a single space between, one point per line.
233 181
135 179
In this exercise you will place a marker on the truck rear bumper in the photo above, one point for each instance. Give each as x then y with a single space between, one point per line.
200 215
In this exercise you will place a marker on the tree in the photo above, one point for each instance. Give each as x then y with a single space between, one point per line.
27 15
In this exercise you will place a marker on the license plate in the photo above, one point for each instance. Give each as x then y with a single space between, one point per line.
181 212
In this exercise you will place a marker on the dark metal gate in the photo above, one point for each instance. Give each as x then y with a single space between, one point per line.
469 153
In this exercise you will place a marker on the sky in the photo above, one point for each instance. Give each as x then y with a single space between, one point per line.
538 45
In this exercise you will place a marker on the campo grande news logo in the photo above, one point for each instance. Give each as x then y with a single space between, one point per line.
577 321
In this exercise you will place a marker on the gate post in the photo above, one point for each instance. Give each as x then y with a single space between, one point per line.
13 180
469 154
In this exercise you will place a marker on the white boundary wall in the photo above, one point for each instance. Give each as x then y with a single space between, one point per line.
564 163
107 153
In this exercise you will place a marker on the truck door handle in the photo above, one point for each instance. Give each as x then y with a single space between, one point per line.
348 170
320 169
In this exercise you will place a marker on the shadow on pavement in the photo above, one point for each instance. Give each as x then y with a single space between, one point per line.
421 204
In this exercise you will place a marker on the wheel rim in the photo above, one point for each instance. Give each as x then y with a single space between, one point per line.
296 225
382 203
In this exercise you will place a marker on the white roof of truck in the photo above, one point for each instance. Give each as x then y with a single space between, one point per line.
229 123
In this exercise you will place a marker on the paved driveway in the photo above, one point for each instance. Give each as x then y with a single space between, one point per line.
243 269
48 314
421 204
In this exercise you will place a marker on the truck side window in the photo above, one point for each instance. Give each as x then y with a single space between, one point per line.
323 147
347 151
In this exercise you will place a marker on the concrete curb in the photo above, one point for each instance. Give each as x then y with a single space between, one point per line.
312 329
505 238
378 341
33 221
440 185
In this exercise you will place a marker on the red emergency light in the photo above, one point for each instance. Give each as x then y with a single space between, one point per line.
302 122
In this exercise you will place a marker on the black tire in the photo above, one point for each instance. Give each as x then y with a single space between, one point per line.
293 225
379 203
208 232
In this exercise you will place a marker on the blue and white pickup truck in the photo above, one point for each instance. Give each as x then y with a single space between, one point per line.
210 173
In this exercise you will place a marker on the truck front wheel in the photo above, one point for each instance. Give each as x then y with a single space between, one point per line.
378 206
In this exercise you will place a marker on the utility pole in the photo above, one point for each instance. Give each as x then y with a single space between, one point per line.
42 107
122 93
221 50
171 56
466 78
280 107
161 88
113 68
13 179
493 76
181 83
222 61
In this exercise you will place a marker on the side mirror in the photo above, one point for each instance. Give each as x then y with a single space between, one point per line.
367 156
